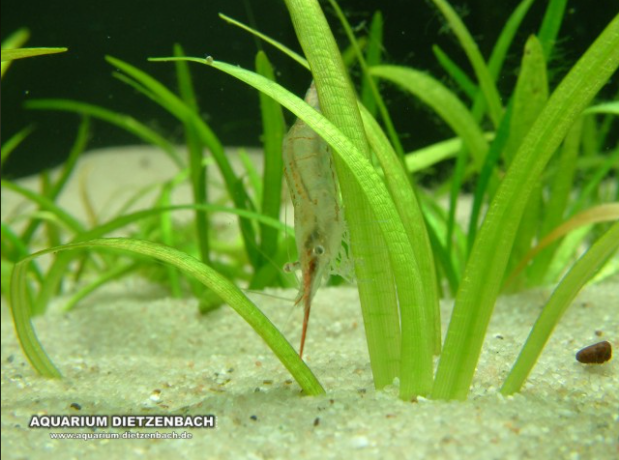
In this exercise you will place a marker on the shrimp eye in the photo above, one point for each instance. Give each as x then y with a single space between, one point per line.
319 250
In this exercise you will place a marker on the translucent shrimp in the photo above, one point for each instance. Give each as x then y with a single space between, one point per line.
318 220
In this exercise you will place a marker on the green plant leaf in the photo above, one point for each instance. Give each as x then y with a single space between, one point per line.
46 204
14 141
529 97
272 139
21 53
384 213
442 101
610 163
500 49
52 192
561 298
379 269
528 100
381 323
14 40
484 78
373 55
611 108
195 147
152 88
602 213
123 121
190 266
367 78
484 272
409 210
551 24
560 195
455 72
296 56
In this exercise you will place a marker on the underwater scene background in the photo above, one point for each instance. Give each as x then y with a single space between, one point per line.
133 31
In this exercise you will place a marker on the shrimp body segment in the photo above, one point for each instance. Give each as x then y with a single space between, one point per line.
318 220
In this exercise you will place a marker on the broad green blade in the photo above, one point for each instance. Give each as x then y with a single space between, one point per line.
484 273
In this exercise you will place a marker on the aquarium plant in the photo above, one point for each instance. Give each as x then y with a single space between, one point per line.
517 147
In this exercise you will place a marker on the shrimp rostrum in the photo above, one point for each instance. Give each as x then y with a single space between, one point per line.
318 220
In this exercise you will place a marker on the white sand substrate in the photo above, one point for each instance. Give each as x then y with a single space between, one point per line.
131 349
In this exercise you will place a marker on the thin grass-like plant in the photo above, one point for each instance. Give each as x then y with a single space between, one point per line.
406 247
486 265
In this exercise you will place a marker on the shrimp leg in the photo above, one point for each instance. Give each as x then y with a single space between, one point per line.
318 220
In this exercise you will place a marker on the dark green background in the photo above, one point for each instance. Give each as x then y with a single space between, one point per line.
133 30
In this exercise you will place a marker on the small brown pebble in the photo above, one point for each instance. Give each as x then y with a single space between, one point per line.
317 421
595 354
599 333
